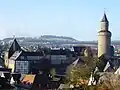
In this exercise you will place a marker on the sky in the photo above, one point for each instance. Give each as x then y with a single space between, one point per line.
79 19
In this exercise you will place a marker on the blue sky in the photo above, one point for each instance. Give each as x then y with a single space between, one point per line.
79 19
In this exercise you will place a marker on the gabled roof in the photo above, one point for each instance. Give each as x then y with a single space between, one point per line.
96 70
91 80
78 61
75 62
32 53
15 55
58 52
117 71
104 19
108 67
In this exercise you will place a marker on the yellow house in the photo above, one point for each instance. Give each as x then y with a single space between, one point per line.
11 55
12 60
6 59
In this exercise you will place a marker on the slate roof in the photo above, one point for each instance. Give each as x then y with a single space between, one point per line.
15 55
104 19
117 71
14 47
79 50
32 53
22 53
75 62
40 65
107 66
58 52
78 61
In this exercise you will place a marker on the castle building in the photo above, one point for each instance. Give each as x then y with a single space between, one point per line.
24 62
104 38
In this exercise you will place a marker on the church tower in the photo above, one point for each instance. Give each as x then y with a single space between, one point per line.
104 37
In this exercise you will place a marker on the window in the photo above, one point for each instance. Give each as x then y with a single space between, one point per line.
25 63
22 66
22 58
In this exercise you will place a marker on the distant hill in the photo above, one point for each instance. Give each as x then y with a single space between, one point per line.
52 39
44 38
59 38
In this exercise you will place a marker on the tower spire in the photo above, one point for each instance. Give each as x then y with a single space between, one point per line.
104 19
104 37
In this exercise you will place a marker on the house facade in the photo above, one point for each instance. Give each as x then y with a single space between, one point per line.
61 56
24 62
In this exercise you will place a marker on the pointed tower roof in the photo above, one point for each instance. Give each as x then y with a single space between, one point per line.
14 47
104 19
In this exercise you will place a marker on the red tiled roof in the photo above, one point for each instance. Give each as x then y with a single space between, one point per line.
28 79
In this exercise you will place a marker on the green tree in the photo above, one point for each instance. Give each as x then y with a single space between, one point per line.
78 75
53 72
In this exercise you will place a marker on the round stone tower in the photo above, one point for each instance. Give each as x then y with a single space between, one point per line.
104 38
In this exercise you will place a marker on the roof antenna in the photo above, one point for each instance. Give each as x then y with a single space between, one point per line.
104 10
